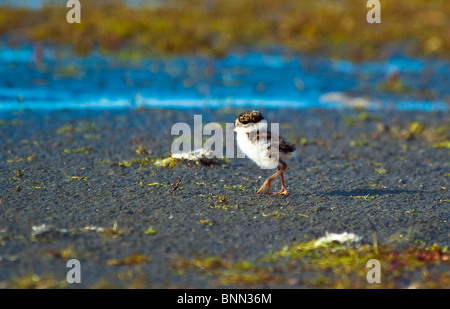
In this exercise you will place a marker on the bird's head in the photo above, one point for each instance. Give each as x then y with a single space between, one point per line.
248 121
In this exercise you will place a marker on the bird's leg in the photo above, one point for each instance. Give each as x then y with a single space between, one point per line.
268 182
284 190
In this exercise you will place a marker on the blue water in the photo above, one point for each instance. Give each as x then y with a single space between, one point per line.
40 77
38 4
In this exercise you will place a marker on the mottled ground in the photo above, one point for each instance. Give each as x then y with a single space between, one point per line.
86 185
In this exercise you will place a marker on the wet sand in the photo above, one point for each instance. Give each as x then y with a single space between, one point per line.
83 184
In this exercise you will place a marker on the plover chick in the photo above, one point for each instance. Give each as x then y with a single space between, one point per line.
263 147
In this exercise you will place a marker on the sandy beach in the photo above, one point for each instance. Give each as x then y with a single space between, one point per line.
98 186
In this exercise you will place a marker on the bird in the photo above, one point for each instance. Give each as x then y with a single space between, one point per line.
267 149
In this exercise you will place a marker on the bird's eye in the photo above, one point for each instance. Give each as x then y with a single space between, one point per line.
242 120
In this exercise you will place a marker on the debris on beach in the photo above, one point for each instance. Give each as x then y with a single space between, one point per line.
200 156
339 238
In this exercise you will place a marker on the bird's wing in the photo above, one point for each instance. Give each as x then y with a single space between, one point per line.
283 145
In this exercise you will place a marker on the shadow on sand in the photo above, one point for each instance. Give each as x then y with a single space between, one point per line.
371 192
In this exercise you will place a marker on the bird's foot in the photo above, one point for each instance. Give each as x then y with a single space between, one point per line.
263 187
282 192
261 190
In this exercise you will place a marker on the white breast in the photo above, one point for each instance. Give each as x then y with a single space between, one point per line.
257 151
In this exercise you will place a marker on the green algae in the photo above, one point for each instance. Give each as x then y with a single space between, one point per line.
381 170
134 259
333 265
78 150
151 231
341 31
35 281
365 197
235 187
26 159
276 214
71 178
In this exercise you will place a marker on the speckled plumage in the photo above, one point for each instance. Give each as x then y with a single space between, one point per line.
263 147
